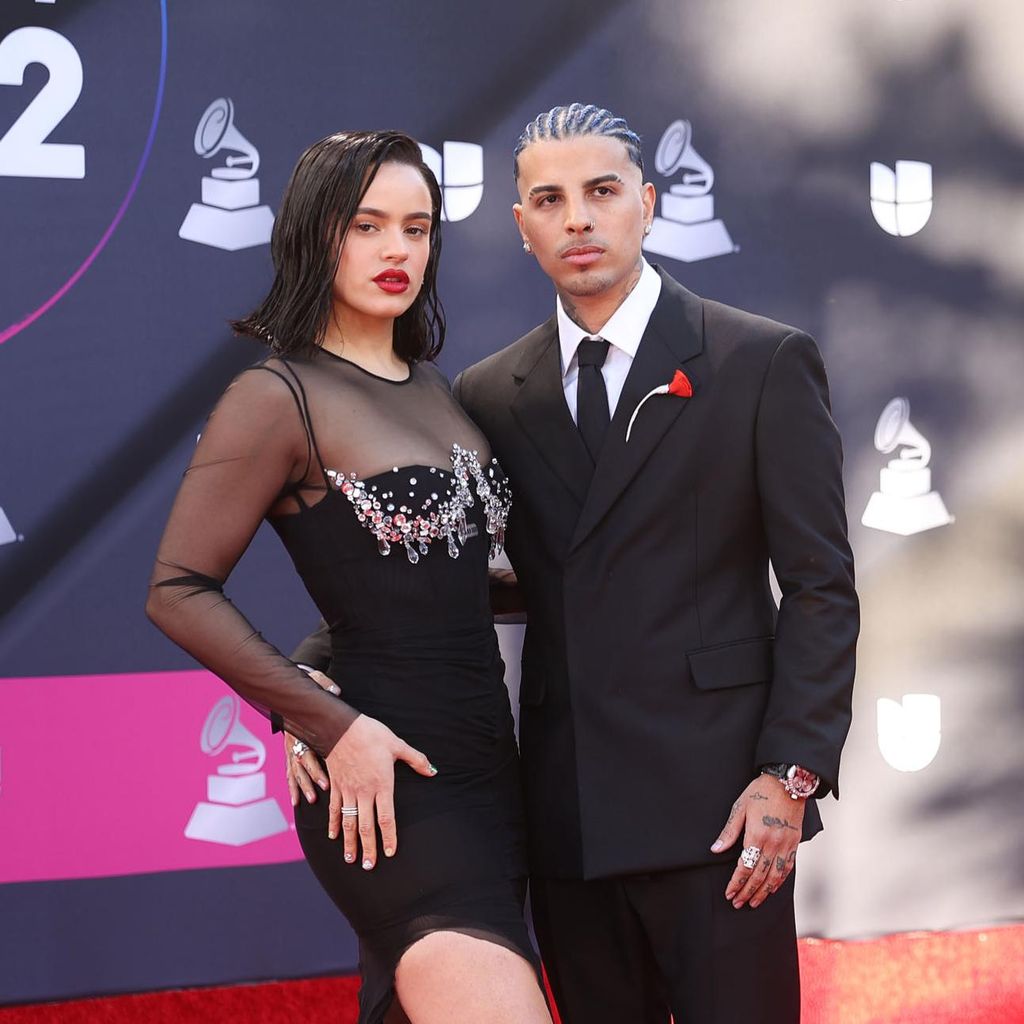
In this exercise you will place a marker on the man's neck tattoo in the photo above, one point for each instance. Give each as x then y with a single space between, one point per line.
572 310
573 313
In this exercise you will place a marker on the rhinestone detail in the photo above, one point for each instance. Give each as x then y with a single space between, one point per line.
417 531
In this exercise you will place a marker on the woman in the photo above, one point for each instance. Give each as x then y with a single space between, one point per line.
348 441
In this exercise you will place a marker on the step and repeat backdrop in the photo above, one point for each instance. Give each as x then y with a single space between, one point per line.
853 168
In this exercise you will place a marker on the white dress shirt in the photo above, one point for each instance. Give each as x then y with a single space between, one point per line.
623 331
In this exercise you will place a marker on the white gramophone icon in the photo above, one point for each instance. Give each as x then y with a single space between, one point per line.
687 229
237 809
7 532
230 215
905 502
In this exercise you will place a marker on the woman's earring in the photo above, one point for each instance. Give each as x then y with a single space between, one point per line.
647 229
527 247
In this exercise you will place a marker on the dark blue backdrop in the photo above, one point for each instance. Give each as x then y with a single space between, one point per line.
102 394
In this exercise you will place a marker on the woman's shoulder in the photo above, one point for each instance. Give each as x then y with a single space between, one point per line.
266 387
432 374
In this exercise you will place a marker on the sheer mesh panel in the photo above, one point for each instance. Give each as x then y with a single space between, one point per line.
263 454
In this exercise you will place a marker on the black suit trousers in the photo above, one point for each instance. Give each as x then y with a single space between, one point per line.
636 949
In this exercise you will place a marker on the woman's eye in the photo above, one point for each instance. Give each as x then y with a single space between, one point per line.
365 227
417 231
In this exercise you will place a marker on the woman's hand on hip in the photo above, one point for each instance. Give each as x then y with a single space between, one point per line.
362 777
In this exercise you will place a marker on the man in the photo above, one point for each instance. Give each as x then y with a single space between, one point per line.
670 718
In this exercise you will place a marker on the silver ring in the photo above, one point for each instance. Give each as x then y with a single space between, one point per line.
299 748
349 812
750 856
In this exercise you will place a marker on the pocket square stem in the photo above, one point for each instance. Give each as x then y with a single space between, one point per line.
679 386
663 390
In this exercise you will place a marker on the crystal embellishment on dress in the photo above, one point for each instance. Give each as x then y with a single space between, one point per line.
416 531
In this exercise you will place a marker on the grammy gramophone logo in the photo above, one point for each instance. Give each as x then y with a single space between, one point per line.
687 229
7 532
230 215
904 502
236 810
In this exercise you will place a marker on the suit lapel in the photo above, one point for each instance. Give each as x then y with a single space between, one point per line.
674 335
540 410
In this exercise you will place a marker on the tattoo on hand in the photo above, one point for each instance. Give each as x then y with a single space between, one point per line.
758 796
732 814
772 822
780 865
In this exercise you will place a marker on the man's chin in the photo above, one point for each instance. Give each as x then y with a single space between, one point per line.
587 282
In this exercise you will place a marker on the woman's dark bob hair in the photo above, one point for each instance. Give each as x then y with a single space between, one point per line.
324 192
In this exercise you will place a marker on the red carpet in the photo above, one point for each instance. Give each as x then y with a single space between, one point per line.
951 978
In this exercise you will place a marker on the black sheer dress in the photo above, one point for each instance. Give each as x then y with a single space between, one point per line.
388 502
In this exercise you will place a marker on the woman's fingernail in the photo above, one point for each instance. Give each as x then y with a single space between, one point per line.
323 785
332 835
349 857
336 690
433 770
367 864
716 846
388 852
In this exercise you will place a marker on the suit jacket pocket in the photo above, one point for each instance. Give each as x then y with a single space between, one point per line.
740 663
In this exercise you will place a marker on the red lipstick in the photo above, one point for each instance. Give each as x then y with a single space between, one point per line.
394 282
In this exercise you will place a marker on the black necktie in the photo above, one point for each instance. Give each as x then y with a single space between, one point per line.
592 416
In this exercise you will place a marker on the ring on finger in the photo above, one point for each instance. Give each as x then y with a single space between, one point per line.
750 856
350 812
299 748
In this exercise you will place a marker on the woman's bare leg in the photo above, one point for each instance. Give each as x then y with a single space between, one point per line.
451 978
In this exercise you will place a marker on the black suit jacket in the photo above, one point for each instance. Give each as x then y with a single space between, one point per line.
656 673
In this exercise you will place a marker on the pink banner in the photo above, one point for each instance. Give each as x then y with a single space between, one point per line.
128 774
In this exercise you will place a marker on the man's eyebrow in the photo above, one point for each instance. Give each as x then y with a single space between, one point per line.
602 180
369 211
537 189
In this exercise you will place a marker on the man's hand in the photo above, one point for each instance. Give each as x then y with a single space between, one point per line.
362 772
768 818
306 769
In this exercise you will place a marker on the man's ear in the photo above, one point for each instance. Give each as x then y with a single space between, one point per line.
517 212
648 195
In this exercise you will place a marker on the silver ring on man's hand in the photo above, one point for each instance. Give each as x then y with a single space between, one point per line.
349 812
750 856
299 748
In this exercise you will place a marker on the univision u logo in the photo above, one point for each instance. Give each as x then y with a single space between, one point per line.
910 731
901 199
461 177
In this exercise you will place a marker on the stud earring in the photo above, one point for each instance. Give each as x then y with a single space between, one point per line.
647 230
527 247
